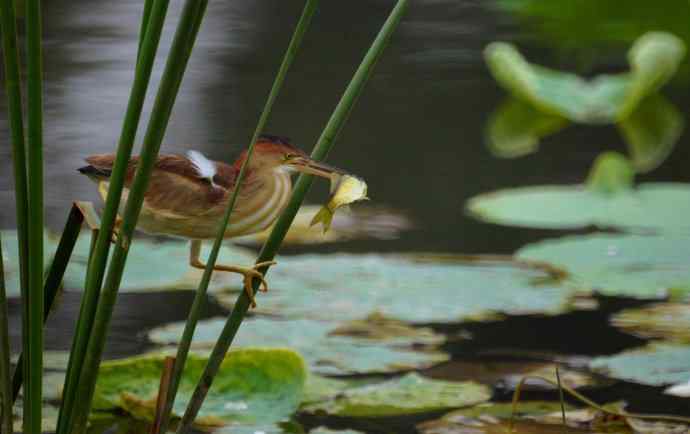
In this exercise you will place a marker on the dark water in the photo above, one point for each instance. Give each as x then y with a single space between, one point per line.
416 134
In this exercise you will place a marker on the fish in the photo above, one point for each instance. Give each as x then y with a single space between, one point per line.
345 189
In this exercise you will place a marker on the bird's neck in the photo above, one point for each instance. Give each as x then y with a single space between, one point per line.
264 196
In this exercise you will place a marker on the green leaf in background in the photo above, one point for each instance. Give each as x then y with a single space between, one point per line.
654 365
409 394
668 321
611 173
338 287
152 265
515 128
657 207
253 385
325 353
622 265
651 132
653 58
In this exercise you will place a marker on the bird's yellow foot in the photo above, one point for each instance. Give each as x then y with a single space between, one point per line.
116 230
253 273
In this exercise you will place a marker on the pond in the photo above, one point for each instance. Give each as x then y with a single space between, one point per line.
420 137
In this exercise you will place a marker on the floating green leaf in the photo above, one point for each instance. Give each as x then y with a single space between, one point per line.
409 394
351 286
654 365
325 353
669 321
152 265
626 265
649 207
253 385
653 58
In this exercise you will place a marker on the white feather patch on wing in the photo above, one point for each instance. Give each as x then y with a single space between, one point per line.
204 167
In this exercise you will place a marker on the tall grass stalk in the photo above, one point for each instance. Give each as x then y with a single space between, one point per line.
99 258
200 297
33 393
185 36
53 281
271 246
10 53
6 400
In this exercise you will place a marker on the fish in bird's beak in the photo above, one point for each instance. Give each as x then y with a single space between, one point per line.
312 167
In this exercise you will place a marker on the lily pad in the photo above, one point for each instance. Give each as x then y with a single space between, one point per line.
150 265
409 394
490 417
325 353
253 385
653 58
323 430
625 265
668 321
648 207
654 365
416 288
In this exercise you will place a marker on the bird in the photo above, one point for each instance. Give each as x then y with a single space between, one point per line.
188 194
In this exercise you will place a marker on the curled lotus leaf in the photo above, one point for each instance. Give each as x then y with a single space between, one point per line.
608 98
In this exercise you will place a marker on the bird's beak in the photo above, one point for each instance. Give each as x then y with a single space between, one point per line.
312 167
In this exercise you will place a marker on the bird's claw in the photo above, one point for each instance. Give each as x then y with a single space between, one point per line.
253 273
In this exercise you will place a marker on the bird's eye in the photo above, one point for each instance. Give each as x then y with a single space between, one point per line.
290 156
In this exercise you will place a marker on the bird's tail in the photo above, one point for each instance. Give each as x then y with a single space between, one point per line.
95 173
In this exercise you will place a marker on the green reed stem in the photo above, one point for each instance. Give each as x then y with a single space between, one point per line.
34 363
185 36
97 261
200 298
145 17
14 104
6 400
53 281
10 52
268 251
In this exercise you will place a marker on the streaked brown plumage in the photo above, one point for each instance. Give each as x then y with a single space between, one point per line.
187 195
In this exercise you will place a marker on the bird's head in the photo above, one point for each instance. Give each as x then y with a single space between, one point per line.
277 153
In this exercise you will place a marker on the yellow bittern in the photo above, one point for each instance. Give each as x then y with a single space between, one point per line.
187 195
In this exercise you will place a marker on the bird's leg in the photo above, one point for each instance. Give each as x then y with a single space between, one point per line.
116 229
249 273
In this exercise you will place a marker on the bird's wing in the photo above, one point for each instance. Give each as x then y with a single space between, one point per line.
180 186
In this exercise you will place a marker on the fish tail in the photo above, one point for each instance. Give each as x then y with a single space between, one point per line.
324 216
